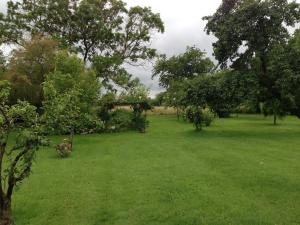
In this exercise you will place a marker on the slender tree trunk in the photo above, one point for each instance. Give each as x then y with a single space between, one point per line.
6 212
275 119
177 112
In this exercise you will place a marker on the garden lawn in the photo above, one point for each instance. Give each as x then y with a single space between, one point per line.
239 171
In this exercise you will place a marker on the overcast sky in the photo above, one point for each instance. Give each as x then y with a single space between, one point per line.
183 27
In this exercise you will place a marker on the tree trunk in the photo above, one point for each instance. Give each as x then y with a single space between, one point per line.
275 119
177 112
6 213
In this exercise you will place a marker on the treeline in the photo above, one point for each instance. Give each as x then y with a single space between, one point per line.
258 64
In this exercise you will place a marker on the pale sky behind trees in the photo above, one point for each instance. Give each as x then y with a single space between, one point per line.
183 27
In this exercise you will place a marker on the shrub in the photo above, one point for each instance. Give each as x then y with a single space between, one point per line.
120 120
65 148
140 123
199 117
139 117
208 117
88 124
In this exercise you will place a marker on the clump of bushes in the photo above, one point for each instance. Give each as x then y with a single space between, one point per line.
70 93
120 120
139 117
199 117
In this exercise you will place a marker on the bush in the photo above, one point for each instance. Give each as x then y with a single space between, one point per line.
208 117
199 117
88 124
70 93
120 120
65 148
139 117
140 123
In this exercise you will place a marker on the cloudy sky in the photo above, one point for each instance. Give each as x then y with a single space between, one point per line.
183 27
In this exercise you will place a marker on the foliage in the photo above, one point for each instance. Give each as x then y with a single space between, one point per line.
175 72
293 57
249 34
2 64
107 103
120 120
27 70
137 98
15 161
175 96
139 119
199 117
70 94
104 32
222 92
159 99
188 65
256 25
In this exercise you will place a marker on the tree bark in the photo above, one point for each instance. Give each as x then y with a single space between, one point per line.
6 213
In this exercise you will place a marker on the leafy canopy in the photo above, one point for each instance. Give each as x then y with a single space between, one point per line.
188 65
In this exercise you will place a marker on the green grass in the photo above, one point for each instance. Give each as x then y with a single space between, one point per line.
240 171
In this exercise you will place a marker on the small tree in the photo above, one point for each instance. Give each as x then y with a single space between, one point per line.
15 162
199 117
137 98
70 94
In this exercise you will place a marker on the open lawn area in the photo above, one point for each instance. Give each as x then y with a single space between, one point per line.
239 171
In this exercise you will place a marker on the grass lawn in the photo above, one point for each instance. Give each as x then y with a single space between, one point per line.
240 171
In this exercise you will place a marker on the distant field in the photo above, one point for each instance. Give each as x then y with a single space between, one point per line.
240 171
157 110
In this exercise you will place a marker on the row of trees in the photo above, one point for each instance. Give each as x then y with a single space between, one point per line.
258 62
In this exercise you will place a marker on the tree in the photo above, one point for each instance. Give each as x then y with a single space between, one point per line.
175 96
221 92
2 64
137 98
199 117
283 79
71 92
104 32
15 162
292 55
28 67
248 29
159 99
188 65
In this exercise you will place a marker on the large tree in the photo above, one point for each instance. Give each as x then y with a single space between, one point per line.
292 54
104 32
249 30
28 68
